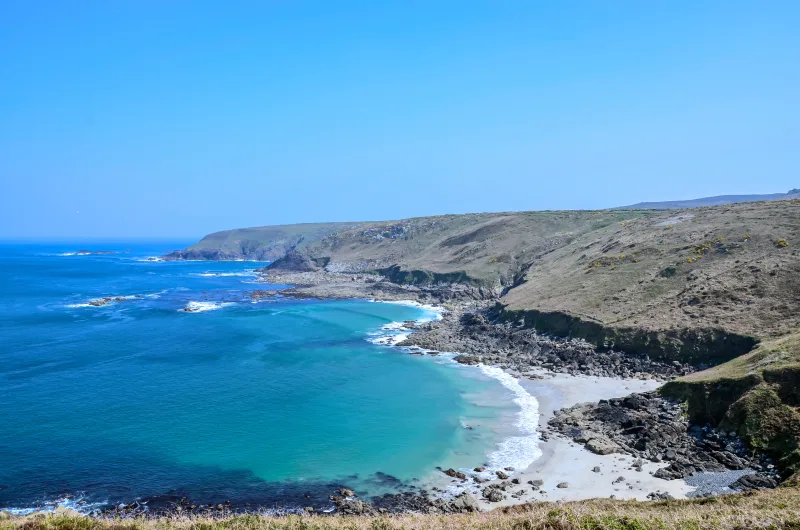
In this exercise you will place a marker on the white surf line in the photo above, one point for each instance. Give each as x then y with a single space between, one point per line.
199 307
518 451
521 451
247 273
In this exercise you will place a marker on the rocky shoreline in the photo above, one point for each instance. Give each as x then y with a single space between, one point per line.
477 339
342 501
643 426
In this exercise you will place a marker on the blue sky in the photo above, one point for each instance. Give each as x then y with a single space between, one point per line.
178 118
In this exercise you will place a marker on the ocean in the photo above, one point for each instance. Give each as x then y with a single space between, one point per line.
265 403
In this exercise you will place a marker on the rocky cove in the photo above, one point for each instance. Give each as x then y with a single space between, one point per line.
649 430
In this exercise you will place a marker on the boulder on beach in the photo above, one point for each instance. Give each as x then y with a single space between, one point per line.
464 502
601 446
493 494
754 482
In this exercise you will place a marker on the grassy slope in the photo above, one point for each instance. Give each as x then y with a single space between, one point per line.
703 268
267 242
482 248
778 509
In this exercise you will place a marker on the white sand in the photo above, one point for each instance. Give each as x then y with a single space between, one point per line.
565 461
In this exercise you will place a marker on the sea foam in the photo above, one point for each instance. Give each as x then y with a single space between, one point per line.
198 307
226 274
518 451
432 312
77 504
521 451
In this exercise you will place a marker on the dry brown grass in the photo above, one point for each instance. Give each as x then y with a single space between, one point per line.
778 509
717 268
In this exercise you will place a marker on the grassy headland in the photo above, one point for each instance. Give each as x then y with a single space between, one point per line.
702 283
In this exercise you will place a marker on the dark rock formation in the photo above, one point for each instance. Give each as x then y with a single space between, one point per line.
757 481
651 428
293 261
258 294
480 338
455 474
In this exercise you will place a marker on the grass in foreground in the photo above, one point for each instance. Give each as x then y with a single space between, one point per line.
778 510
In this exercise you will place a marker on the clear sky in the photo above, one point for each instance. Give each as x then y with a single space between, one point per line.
178 118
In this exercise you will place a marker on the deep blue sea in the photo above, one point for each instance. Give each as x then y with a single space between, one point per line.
269 403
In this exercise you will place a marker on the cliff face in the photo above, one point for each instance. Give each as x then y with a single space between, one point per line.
695 346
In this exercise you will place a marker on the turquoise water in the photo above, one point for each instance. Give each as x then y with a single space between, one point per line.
265 404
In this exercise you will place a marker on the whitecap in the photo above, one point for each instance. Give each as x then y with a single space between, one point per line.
198 307
389 340
226 274
433 312
77 504
393 333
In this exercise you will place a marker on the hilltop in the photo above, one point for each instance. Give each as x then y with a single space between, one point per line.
716 200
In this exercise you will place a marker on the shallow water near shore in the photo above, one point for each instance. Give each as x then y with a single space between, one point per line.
126 378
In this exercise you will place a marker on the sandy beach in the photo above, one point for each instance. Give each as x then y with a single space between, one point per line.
563 461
